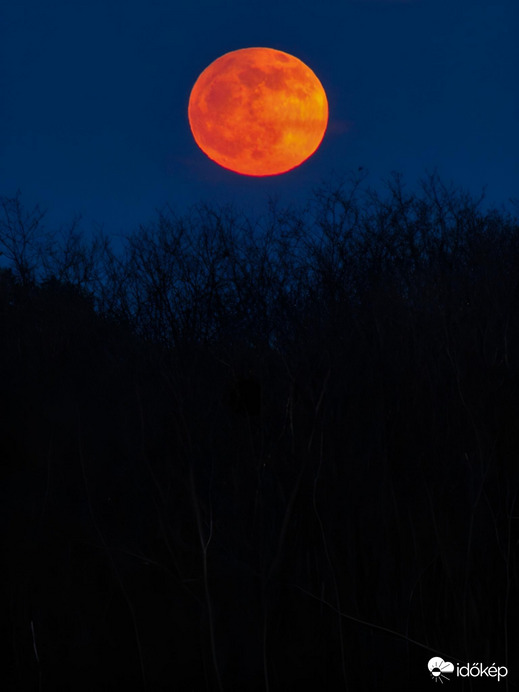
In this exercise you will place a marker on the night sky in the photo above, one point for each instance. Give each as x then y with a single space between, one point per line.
93 114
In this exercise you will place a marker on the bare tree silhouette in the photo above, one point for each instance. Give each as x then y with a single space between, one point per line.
293 435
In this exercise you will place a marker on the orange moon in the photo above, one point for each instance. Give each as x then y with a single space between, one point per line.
258 111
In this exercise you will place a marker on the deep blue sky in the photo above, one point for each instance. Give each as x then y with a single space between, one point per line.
94 94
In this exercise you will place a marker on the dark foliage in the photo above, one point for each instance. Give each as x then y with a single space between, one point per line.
252 455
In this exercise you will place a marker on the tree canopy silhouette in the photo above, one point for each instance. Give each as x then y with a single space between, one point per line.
309 416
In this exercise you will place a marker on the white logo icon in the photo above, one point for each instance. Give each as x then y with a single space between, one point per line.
438 667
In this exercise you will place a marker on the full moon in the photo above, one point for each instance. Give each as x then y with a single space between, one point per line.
258 111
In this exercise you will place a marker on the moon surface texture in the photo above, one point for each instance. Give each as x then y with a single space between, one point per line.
258 111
